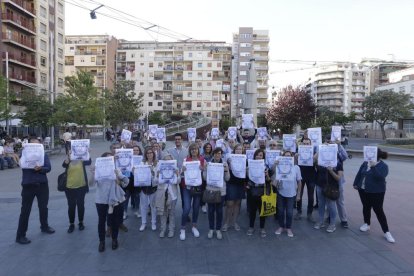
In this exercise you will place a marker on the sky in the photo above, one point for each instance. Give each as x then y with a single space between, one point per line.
310 30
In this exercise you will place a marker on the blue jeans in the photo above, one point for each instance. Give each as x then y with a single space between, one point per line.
188 201
285 210
330 204
217 210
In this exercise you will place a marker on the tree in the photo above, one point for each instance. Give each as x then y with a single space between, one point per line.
38 111
81 103
225 123
156 118
325 119
386 106
123 104
293 107
5 99
343 119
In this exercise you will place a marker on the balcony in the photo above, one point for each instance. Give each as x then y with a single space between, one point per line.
221 78
329 83
178 78
261 49
167 108
95 53
183 88
19 41
263 39
20 77
16 58
168 68
178 58
163 58
357 99
261 58
23 6
261 68
16 21
262 96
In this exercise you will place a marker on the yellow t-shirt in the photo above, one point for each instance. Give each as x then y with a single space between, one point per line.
76 178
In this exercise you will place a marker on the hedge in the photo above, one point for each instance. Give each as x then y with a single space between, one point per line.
400 141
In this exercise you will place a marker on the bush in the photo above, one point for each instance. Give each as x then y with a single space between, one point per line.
400 141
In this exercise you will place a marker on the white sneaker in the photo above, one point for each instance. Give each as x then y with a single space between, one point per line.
195 232
138 214
154 227
204 208
125 216
210 234
182 234
364 227
389 237
219 235
142 228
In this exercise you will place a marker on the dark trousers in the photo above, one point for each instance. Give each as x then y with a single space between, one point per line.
310 187
67 147
215 210
76 198
29 192
285 210
373 201
255 204
115 220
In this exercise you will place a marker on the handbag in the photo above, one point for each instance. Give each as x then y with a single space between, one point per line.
330 190
268 204
212 197
196 190
62 180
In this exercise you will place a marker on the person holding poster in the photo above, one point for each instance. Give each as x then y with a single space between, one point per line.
371 185
247 121
126 136
167 178
207 155
76 189
289 142
235 187
34 184
134 191
288 192
147 193
161 137
215 210
255 192
191 134
108 199
191 194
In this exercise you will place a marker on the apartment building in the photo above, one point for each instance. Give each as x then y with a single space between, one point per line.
92 53
250 52
178 77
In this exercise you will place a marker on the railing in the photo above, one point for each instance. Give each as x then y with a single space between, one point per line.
16 38
18 76
182 125
23 4
18 58
18 21
164 58
96 53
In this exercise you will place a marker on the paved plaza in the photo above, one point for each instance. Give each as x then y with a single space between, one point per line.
310 252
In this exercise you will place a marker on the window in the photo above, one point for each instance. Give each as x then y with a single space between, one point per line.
150 95
60 82
245 35
208 104
245 54
141 75
60 38
189 94
159 103
199 94
151 84
190 74
244 63
43 61
141 55
243 73
43 29
93 59
199 75
141 64
60 53
60 23
71 49
151 65
208 75
190 54
198 104
43 77
209 64
43 45
200 65
208 83
245 45
218 64
199 84
60 67
141 83
42 11
149 103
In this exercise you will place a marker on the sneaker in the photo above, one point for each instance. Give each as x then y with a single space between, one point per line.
279 231
331 228
389 237
195 232
236 227
298 216
142 228
182 234
71 228
125 216
225 227
81 226
344 224
364 227
250 231
310 218
170 234
23 240
138 214
154 227
162 234
319 225
210 234
289 233
220 236
204 209
262 233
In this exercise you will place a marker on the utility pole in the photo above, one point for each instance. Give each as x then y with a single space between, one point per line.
104 102
7 94
52 83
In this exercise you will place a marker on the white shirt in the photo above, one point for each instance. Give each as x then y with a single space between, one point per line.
288 188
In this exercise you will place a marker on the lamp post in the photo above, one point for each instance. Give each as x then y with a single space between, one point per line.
7 94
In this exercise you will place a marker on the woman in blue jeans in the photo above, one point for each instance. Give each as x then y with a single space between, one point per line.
191 197
288 191
215 210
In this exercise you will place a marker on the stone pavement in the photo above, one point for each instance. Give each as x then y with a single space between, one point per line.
310 252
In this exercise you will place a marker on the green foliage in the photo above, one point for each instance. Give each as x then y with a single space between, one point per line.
387 106
400 141
156 118
226 123
4 99
343 119
325 119
122 104
38 110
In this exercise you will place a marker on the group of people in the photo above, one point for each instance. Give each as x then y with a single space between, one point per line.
160 199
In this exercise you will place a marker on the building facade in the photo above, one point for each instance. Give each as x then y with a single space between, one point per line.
178 77
250 51
95 54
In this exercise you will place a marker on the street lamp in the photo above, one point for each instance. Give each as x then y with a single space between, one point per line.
93 14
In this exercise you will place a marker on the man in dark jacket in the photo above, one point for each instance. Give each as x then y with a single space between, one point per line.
34 184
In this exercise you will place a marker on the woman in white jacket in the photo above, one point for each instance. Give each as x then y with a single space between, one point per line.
215 210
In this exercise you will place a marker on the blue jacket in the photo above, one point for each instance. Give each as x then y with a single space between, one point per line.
374 178
30 176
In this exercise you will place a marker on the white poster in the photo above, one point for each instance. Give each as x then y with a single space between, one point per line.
250 154
161 137
336 133
257 171
105 168
136 160
192 174
238 165
315 135
152 131
79 149
126 136
33 154
167 172
123 159
370 153
247 121
191 133
142 176
285 169
271 156
289 142
328 155
262 133
220 144
215 174
305 157
232 133
215 133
